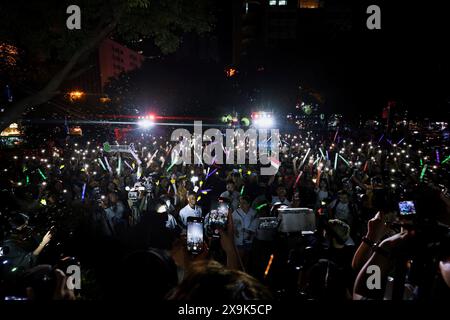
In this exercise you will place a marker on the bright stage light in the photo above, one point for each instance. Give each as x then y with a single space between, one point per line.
264 123
263 119
145 123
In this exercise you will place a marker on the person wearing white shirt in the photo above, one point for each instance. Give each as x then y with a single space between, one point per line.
281 197
232 195
190 210
245 225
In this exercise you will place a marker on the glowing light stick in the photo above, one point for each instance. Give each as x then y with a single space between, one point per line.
365 166
268 266
135 157
211 173
306 155
107 165
346 162
42 174
422 174
335 135
119 165
170 167
335 161
314 163
298 179
261 206
321 152
446 159
128 165
101 163
83 192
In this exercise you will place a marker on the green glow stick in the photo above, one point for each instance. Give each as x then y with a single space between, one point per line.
242 190
423 171
445 160
343 159
170 167
42 175
261 206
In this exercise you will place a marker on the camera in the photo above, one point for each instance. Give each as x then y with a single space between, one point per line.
407 208
133 193
269 223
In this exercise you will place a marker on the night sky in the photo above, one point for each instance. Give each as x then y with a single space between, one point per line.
358 70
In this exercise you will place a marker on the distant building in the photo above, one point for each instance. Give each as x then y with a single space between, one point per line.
114 59
109 61
261 27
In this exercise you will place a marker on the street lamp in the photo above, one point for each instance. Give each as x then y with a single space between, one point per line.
76 95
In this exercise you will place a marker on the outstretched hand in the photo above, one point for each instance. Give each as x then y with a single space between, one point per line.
376 227
46 239
182 257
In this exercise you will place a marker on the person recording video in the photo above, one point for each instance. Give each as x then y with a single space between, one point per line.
418 255
15 248
18 252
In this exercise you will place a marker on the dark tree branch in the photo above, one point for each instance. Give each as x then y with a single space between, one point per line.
79 72
49 91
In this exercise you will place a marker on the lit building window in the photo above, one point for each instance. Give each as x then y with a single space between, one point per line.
273 2
282 2
309 4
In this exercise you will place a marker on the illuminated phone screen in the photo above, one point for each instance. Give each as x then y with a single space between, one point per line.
194 236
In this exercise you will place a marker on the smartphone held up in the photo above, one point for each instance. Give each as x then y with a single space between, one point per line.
194 235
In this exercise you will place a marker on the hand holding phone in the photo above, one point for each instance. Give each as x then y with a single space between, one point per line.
47 237
194 239
218 220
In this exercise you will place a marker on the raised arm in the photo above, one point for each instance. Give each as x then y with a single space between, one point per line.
45 240
228 245
383 259
376 230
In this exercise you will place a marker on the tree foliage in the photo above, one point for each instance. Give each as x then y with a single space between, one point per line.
50 52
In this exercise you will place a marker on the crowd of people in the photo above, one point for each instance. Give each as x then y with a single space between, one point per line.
122 218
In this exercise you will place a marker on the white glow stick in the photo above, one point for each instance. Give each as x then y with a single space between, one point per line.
136 157
107 165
